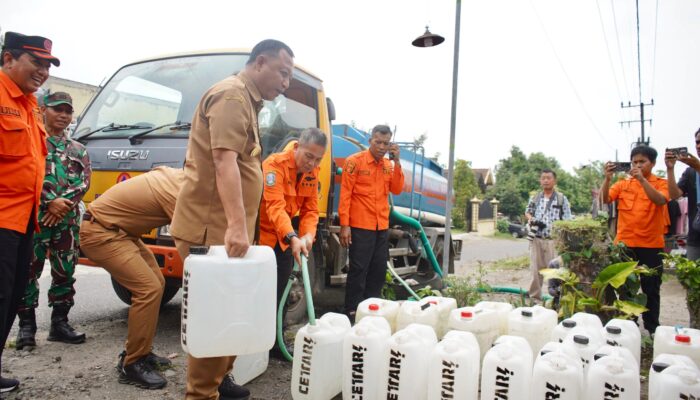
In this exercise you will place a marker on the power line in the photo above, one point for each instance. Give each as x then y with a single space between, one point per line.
607 47
653 67
639 57
619 49
568 79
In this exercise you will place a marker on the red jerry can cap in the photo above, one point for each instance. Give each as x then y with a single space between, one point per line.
467 314
374 307
683 338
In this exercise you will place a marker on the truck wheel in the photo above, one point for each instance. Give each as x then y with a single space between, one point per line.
439 247
295 312
125 295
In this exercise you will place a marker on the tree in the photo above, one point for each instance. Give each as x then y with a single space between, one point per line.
465 187
420 140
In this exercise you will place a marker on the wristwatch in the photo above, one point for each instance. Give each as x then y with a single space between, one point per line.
288 237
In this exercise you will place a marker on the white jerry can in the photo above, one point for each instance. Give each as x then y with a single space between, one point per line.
377 307
535 324
557 375
660 363
418 312
445 305
452 371
507 370
404 363
684 341
624 333
363 351
613 377
484 323
228 304
318 349
502 309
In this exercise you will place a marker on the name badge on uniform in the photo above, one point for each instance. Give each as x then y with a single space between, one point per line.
256 151
270 179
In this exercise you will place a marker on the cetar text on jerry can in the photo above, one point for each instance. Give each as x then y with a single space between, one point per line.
452 370
363 351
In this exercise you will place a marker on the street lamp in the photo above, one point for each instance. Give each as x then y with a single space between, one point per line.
428 40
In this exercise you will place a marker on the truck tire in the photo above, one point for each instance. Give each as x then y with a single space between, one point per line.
439 249
125 295
295 310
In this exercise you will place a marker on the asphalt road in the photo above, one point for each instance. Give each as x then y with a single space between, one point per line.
95 299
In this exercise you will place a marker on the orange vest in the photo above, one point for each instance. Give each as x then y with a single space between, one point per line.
22 156
284 196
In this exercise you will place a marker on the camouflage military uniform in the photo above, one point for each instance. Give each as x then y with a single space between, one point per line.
68 176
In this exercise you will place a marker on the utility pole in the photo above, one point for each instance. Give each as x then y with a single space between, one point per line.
642 139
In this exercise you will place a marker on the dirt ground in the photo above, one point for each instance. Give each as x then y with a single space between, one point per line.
87 371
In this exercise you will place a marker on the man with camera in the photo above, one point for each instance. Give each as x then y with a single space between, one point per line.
543 209
687 186
642 220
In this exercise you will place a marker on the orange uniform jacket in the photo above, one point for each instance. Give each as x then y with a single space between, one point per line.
640 222
284 196
22 156
364 191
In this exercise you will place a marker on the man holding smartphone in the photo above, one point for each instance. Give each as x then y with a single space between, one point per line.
368 177
687 186
642 221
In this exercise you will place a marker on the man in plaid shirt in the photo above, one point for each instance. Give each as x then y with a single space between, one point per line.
542 210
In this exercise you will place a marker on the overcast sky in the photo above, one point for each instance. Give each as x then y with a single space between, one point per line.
545 75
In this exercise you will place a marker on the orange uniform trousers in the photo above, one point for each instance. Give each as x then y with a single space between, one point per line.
204 375
133 265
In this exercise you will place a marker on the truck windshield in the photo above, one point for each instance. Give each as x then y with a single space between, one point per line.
154 93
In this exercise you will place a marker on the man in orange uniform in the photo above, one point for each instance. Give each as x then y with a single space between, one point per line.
291 187
642 221
25 63
220 197
368 178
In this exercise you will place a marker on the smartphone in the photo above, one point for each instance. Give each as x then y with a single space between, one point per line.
391 155
679 151
623 166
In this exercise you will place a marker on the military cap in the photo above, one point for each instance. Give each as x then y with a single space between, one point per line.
37 46
58 98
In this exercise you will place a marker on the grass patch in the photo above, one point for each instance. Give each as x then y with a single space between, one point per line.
511 263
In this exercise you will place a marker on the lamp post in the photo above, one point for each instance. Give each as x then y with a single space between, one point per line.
429 40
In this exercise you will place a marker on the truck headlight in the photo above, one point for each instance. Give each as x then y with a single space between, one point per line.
164 231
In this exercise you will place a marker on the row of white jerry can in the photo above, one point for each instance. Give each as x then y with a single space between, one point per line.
367 362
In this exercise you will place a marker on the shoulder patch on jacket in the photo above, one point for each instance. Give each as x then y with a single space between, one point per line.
270 179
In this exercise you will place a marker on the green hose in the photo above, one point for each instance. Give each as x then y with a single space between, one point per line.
423 238
511 290
403 282
309 304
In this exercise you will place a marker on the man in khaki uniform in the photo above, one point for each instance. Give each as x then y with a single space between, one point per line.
223 157
110 235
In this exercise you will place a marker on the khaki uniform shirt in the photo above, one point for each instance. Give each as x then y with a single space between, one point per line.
226 118
139 204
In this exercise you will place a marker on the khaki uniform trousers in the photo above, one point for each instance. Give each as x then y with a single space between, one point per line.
204 375
131 264
541 253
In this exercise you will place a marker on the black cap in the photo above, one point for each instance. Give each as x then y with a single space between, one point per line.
38 46
659 366
526 313
580 339
598 356
543 352
199 250
615 330
568 323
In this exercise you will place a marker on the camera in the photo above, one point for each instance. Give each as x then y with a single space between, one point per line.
679 151
536 229
623 166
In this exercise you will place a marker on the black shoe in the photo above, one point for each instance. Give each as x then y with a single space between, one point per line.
60 331
141 374
156 361
27 330
8 384
230 390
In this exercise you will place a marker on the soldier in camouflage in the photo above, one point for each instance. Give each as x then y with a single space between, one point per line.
66 181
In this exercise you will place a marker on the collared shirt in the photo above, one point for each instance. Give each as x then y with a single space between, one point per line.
537 207
22 156
285 194
640 223
364 191
687 184
139 204
67 174
226 118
